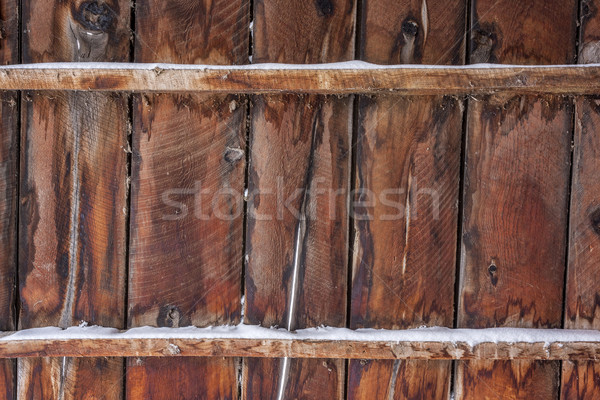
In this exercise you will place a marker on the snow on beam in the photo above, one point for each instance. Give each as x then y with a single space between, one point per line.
337 78
254 341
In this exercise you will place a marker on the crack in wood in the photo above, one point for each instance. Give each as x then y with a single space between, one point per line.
67 311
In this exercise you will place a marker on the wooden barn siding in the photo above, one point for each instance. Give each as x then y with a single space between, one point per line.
71 271
72 238
581 380
404 267
516 192
186 250
9 156
297 258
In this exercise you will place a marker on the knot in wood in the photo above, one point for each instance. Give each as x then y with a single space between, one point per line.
410 28
94 16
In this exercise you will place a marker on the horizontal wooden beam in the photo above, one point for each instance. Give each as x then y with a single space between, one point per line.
436 344
276 348
339 78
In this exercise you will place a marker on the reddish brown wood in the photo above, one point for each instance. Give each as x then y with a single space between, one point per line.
589 48
413 32
515 189
310 149
448 346
521 379
517 172
299 150
529 32
515 197
186 207
341 79
404 255
581 380
8 228
159 378
9 15
297 143
408 164
73 196
303 32
404 379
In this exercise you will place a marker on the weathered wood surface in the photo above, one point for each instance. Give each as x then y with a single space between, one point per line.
297 257
72 239
516 195
408 165
405 254
333 79
161 352
9 152
187 184
582 302
413 32
298 143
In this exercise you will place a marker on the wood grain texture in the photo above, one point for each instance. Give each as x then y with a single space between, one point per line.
8 228
9 42
405 213
156 347
516 187
405 243
589 30
300 150
398 379
183 378
187 185
582 300
581 380
532 32
311 79
298 145
413 32
515 200
73 196
303 32
186 236
516 379
298 142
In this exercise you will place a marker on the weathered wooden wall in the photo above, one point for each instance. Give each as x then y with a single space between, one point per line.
298 183
581 380
515 199
188 168
181 246
73 208
408 167
9 156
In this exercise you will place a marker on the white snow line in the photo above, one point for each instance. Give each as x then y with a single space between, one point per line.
346 65
254 341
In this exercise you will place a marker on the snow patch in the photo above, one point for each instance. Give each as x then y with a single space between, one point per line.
433 334
346 65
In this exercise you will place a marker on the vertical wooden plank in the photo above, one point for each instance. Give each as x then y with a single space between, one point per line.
9 44
581 380
407 180
515 195
73 196
297 232
187 197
